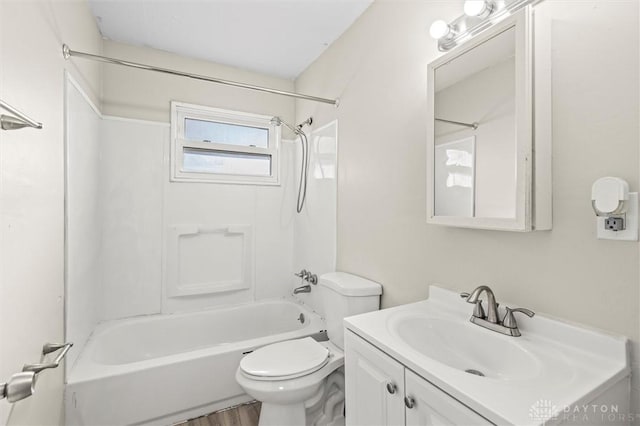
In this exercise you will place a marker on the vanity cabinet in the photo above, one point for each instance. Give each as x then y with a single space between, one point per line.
381 391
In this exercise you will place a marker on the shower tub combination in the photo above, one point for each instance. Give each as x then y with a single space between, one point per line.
162 369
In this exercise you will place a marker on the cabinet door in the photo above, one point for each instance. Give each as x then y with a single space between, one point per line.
374 385
427 405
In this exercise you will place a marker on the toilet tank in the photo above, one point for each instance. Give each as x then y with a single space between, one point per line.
344 295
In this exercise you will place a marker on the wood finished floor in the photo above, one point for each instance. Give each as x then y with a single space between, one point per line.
243 415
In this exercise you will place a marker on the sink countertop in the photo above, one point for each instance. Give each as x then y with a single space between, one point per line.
572 364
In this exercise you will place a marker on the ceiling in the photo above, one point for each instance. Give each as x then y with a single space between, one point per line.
275 37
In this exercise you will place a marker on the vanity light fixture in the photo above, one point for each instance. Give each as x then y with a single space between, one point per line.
479 8
478 16
440 29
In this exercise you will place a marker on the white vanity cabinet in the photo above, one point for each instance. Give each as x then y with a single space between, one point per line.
381 391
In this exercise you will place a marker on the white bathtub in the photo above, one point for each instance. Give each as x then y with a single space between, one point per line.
161 369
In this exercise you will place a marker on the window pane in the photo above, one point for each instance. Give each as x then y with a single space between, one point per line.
201 161
232 134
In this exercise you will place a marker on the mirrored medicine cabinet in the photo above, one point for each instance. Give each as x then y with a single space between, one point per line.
485 168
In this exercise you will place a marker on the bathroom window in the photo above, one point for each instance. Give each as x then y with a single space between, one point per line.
224 146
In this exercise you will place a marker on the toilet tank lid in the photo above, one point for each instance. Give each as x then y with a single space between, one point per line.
350 285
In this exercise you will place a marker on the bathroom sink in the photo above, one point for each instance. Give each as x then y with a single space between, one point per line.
503 378
466 347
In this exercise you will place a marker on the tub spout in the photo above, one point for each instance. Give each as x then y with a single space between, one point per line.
302 289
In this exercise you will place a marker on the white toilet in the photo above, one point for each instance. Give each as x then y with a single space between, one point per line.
300 382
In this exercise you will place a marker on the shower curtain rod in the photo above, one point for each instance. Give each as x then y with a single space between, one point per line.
67 52
473 125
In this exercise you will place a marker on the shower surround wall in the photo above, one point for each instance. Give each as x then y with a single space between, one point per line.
123 202
141 205
314 229
131 196
143 95
84 217
297 241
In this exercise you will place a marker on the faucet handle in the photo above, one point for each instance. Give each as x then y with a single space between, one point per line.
509 320
302 274
478 310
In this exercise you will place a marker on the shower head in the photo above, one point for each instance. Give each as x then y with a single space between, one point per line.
307 122
304 166
277 121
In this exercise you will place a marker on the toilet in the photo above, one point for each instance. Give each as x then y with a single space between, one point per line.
301 382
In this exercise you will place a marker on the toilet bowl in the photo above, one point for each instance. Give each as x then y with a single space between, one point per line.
297 372
290 378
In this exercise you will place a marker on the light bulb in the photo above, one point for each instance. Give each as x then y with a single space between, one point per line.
477 8
439 29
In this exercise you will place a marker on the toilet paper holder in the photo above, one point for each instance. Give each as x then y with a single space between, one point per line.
22 385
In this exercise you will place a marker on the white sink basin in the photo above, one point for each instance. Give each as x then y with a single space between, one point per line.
466 347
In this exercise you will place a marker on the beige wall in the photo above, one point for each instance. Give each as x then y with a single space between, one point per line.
146 95
32 189
378 69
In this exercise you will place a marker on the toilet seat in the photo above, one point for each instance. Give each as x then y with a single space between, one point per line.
285 360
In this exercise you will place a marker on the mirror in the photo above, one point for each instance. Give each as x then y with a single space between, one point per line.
480 141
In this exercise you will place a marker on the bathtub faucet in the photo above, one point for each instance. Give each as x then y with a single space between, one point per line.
302 289
307 276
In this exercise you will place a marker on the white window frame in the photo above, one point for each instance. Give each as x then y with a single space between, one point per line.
181 111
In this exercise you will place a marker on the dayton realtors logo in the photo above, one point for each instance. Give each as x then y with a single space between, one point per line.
544 410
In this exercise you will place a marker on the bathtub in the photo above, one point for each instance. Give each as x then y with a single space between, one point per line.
161 369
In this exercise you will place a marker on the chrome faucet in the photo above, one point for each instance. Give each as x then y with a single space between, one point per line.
507 326
307 276
302 289
492 308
